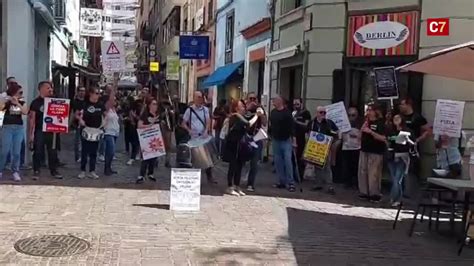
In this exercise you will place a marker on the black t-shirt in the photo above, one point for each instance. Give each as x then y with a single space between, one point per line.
258 125
414 122
326 127
92 113
281 124
37 106
149 119
369 143
302 116
220 115
13 114
392 133
77 104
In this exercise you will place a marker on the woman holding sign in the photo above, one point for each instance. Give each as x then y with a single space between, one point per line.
149 117
91 117
12 133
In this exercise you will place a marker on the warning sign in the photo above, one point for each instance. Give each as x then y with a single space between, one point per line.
113 56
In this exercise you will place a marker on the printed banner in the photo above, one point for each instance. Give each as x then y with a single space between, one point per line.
56 115
151 142
385 34
337 113
113 56
185 190
448 118
317 149
91 22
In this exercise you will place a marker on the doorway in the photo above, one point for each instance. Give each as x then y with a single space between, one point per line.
290 83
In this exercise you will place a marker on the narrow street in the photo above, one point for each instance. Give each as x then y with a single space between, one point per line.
129 224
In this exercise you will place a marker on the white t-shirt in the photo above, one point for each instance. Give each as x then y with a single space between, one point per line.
198 128
112 126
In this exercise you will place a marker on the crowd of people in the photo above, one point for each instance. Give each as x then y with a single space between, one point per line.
99 116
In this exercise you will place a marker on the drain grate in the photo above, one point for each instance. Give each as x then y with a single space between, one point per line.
52 245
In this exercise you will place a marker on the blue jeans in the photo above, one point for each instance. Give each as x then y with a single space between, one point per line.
109 143
282 152
22 154
101 147
254 164
397 169
12 137
77 143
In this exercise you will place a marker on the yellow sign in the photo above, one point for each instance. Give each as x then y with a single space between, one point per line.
154 66
317 149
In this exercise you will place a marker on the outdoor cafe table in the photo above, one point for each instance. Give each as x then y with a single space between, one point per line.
458 186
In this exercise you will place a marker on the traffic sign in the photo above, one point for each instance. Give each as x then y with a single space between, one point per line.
113 49
154 66
113 56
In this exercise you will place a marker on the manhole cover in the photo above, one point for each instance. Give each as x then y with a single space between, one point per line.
52 246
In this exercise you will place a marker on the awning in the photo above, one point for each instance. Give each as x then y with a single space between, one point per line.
454 62
86 71
283 53
222 74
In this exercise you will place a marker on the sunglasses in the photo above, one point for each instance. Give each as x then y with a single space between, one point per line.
253 98
322 112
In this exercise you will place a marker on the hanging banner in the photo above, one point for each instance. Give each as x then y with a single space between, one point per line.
337 113
193 47
56 115
172 68
448 118
91 22
185 190
113 56
386 83
317 149
151 142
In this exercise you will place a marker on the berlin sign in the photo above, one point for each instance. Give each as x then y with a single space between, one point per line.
381 35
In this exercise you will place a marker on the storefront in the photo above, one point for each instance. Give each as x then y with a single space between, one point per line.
380 40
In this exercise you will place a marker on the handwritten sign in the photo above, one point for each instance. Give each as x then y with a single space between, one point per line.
337 113
448 118
185 190
317 149
56 116
151 142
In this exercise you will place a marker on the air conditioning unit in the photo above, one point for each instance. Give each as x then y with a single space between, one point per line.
59 11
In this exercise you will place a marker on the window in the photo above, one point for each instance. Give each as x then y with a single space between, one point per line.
229 36
288 5
210 11
107 19
116 7
116 21
185 20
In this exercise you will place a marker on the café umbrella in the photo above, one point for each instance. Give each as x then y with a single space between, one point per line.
454 62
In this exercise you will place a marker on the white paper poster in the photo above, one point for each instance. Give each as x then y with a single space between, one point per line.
337 113
448 118
113 56
91 22
185 190
2 116
151 142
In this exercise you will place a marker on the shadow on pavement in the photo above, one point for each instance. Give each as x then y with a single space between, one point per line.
322 239
236 256
153 206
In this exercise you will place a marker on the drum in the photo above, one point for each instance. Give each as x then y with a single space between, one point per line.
203 152
92 134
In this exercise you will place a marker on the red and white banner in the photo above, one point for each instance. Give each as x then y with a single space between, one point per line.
56 115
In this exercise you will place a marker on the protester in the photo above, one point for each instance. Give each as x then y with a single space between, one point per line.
327 127
254 108
351 148
167 126
76 104
13 129
91 118
39 139
421 130
197 122
371 156
181 135
301 117
448 155
281 130
237 146
398 160
148 118
127 124
111 133
134 115
219 115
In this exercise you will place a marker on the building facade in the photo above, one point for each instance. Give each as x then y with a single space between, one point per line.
319 54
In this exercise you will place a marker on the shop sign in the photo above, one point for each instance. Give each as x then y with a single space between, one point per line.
381 35
154 67
385 34
91 22
193 47
172 68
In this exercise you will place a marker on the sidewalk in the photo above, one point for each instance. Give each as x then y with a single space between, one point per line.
129 224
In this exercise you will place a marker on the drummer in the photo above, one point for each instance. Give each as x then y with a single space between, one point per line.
197 122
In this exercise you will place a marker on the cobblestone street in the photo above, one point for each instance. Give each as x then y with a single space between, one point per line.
130 224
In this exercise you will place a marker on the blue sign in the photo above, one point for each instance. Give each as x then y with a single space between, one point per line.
193 47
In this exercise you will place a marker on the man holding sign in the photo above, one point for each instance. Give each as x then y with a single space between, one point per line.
328 128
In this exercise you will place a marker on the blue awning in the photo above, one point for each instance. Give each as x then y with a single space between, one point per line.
220 76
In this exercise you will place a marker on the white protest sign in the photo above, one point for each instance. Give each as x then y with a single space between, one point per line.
91 22
185 190
113 56
448 118
2 116
337 113
151 142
